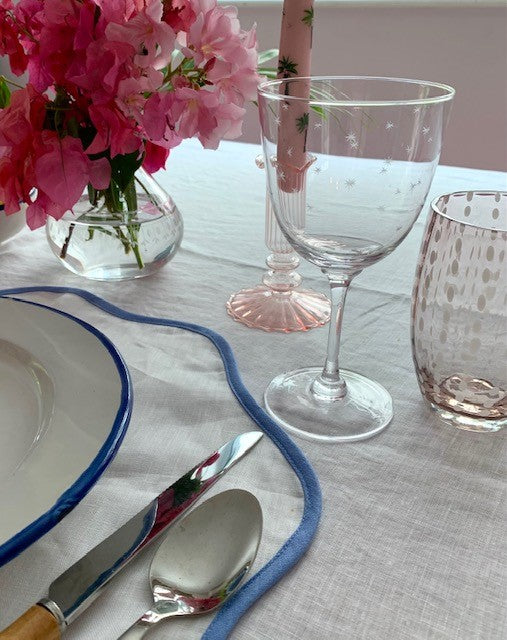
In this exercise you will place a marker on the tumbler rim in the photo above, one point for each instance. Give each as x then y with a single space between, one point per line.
476 192
447 92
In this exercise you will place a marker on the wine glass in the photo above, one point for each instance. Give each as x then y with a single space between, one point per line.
349 162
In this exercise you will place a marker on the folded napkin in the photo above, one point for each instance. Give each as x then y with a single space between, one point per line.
190 355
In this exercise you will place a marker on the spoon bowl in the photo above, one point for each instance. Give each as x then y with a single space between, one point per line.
203 559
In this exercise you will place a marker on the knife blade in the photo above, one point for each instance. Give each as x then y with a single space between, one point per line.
77 587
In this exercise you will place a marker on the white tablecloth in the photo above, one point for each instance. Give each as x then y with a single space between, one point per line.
412 539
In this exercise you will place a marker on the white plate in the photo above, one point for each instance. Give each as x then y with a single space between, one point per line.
65 404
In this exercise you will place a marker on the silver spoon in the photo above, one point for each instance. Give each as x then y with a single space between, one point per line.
203 559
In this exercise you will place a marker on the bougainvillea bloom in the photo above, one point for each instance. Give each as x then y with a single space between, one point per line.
114 81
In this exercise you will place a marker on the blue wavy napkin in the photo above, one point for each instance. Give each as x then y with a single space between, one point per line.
295 546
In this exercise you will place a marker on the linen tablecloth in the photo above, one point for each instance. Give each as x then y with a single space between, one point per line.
411 543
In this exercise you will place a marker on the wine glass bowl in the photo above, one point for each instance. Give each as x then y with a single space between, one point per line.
349 163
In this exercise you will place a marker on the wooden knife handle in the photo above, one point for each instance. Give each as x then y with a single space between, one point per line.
35 624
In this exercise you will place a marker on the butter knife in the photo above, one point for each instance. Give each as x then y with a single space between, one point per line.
75 589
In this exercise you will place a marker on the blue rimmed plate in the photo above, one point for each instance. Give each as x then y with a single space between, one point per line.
65 404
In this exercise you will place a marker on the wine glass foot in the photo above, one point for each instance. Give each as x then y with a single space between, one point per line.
364 411
264 308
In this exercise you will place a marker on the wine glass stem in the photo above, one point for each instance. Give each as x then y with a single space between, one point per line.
329 385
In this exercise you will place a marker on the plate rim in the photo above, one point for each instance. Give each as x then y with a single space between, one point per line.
85 481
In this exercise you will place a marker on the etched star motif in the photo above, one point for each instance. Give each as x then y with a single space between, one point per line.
285 106
383 170
317 125
351 137
408 150
417 109
413 185
354 144
295 190
317 169
425 130
388 160
290 151
389 125
281 175
277 120
429 140
350 183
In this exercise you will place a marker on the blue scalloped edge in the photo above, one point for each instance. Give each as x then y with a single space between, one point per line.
76 492
296 545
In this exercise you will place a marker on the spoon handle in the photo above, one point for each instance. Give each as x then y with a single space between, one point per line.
135 632
161 610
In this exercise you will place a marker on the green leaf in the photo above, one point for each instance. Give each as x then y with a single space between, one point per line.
5 93
302 122
268 72
308 17
319 110
188 64
287 67
264 56
124 167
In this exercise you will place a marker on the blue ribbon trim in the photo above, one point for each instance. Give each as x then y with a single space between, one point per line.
296 545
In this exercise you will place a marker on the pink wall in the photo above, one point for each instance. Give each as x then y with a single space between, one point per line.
465 47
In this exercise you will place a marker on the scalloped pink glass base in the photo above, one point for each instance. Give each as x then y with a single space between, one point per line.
262 308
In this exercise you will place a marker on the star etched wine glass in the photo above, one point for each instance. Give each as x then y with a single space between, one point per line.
349 162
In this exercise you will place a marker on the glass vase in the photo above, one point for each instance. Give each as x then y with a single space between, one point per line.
118 234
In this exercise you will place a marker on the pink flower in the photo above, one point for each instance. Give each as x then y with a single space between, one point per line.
130 97
103 82
63 170
214 32
197 117
20 124
117 10
235 85
155 157
107 63
207 118
38 211
152 38
161 113
114 131
9 39
178 14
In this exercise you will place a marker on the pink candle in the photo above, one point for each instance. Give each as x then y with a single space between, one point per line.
294 60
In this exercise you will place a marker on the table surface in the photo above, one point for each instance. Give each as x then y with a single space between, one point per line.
411 542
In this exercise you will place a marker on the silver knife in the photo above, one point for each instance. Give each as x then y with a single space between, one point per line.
75 589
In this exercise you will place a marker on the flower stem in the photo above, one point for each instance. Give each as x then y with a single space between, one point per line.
131 200
65 246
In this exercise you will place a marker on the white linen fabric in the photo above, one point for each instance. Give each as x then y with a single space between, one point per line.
411 543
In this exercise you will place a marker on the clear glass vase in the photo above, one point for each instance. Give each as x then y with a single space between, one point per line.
118 234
